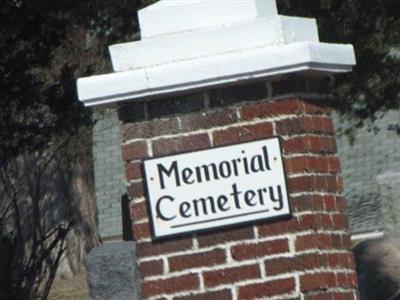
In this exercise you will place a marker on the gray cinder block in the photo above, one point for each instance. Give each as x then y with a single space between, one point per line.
112 272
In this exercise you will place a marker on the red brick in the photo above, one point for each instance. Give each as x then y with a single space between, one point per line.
133 171
333 164
231 275
138 211
180 144
331 296
150 129
313 221
216 295
328 125
324 296
141 231
296 145
170 286
136 190
332 183
151 268
330 203
278 227
346 241
134 150
209 119
190 261
312 183
242 133
164 247
316 108
329 183
309 144
343 260
309 164
268 109
253 250
325 241
317 281
307 203
341 203
325 144
339 221
337 241
341 241
301 125
347 280
314 241
345 296
267 289
340 184
224 236
326 221
297 263
301 184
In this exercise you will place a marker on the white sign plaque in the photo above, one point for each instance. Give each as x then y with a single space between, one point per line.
216 187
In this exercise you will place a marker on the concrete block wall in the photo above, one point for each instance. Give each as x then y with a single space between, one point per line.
305 257
363 162
109 171
389 191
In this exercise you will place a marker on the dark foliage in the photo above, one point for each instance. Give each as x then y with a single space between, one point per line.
45 46
31 243
373 27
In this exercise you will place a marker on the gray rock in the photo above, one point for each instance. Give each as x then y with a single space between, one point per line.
378 269
112 272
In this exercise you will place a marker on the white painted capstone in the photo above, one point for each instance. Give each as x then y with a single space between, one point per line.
189 45
173 16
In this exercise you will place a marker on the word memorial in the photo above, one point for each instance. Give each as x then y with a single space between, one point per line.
217 187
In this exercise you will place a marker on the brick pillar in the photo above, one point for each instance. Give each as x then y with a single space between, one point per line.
233 65
305 257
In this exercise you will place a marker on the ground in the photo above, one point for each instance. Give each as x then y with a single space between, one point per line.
74 288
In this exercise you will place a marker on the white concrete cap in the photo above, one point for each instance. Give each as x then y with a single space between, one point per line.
172 16
259 32
190 45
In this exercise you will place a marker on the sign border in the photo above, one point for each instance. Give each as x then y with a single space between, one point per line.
223 227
